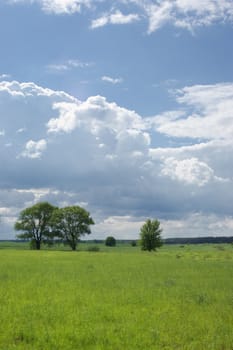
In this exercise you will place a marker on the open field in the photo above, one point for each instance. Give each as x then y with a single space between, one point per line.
118 298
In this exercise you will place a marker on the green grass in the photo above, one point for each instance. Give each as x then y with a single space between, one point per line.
118 298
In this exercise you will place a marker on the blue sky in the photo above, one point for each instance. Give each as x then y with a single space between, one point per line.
123 107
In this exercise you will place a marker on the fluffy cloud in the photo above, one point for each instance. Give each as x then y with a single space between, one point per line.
187 170
96 115
34 149
57 148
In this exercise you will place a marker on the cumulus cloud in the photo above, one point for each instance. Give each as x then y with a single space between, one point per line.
34 149
96 152
30 89
95 114
190 171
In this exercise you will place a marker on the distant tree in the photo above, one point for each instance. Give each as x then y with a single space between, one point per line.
110 241
70 223
150 235
134 243
35 222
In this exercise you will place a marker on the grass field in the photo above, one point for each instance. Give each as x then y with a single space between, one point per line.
117 299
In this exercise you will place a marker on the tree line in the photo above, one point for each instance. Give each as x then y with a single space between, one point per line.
43 222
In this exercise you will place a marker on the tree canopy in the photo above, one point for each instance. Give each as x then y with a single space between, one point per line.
70 223
35 222
150 235
110 241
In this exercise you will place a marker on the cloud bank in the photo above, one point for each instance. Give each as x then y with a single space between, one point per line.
55 147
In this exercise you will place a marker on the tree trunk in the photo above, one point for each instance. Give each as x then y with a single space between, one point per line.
73 246
37 245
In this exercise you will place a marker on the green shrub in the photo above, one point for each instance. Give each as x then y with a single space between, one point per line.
110 241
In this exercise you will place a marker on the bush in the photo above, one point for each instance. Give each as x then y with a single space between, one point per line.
110 241
134 243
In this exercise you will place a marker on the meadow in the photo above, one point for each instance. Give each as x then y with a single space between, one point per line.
116 299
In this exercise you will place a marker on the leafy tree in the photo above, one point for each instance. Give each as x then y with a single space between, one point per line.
150 234
110 241
35 222
70 223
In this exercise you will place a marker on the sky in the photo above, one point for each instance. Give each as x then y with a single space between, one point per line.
122 107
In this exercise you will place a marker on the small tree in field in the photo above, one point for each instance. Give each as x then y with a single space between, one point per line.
150 235
110 241
70 223
35 222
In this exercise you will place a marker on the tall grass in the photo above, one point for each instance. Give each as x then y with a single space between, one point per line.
117 299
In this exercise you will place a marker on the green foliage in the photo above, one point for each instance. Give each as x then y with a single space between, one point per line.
35 222
110 241
70 223
134 243
150 235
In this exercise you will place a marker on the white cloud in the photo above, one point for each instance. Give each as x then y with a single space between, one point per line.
199 225
190 171
115 225
29 89
209 113
184 14
114 18
112 80
67 120
94 114
96 152
68 65
158 15
58 6
188 14
34 149
21 130
4 76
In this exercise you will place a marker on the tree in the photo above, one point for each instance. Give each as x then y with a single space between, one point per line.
70 223
150 234
134 243
110 241
35 222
